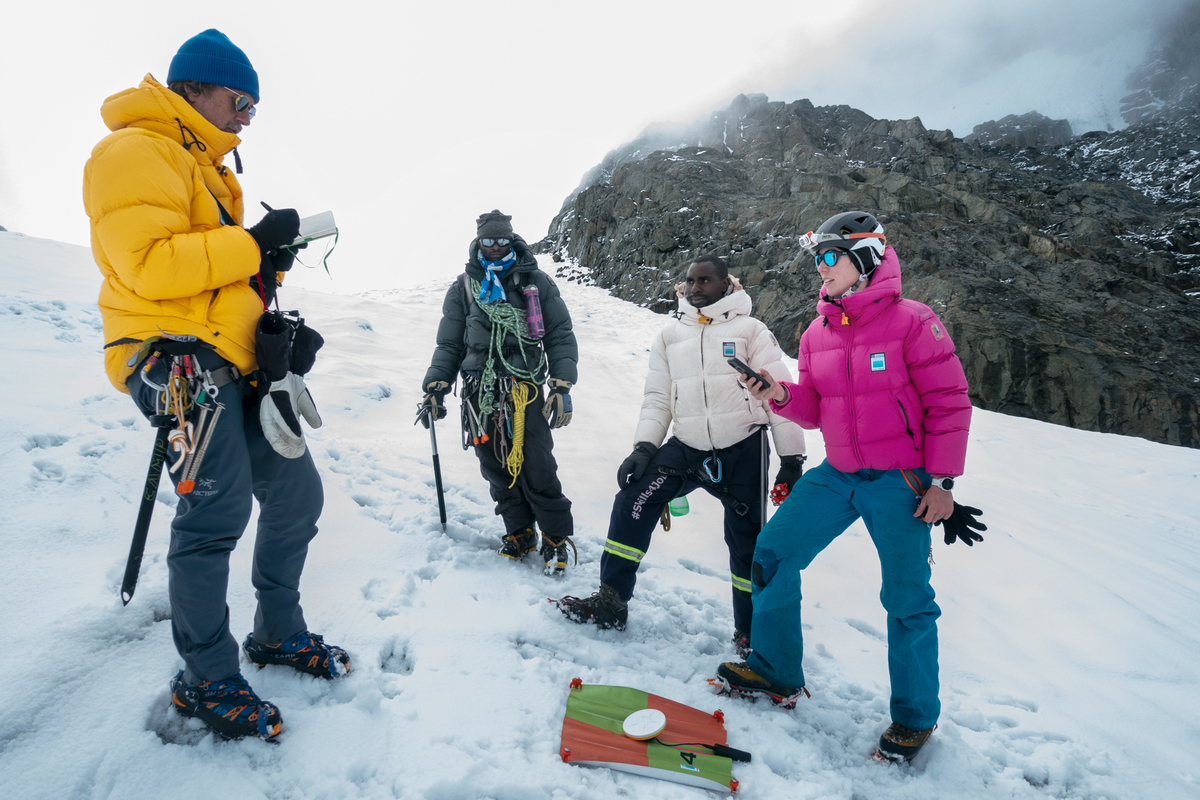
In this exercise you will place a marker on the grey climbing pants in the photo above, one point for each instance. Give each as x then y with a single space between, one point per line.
238 465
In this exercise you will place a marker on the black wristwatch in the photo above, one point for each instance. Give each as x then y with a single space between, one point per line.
945 484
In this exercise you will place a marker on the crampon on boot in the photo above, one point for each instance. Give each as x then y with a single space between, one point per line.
305 651
899 743
604 609
554 555
229 707
741 644
518 543
736 679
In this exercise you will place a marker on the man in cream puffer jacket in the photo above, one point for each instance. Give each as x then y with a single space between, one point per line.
717 443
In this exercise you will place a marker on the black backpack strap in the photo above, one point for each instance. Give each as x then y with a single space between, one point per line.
465 280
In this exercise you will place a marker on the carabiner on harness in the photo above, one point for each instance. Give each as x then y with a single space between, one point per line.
708 468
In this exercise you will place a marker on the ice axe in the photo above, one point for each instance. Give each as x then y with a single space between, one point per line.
429 411
149 492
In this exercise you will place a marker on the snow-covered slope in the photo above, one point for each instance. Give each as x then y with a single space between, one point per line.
1068 638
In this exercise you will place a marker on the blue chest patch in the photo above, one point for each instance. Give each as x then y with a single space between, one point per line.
878 362
729 349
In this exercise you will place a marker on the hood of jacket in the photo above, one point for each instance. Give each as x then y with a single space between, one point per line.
735 303
153 107
884 285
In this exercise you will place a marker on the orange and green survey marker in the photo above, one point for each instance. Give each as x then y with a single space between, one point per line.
592 735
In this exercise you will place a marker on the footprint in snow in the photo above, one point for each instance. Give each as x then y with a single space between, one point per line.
44 441
47 472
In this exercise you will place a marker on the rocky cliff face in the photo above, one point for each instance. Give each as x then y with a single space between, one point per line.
1027 130
1067 273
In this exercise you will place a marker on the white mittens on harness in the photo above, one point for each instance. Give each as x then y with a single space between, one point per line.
279 413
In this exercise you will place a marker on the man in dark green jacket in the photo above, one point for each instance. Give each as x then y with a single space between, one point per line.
506 329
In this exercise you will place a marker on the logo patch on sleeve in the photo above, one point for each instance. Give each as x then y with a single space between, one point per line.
729 349
938 333
878 362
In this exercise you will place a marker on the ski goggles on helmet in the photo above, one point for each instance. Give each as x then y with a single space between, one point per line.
490 242
811 241
829 257
242 102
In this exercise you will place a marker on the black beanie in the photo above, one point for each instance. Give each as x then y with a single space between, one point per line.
494 225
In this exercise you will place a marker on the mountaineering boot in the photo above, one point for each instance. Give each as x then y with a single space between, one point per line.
518 543
554 555
899 743
305 651
230 707
605 609
741 644
738 678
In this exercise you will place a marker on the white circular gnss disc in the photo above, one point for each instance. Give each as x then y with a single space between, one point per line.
644 724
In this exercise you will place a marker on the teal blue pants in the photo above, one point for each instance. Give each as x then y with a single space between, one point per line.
821 506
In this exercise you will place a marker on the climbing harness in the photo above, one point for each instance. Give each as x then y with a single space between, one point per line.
186 402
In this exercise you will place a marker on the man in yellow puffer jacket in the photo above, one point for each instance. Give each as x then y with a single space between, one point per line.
166 223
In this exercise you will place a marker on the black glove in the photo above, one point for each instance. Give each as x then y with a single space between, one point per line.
433 402
959 524
279 227
790 470
557 409
283 258
633 468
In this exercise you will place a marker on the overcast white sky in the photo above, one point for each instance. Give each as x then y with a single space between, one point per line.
408 120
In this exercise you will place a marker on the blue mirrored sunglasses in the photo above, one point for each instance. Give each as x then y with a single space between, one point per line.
243 102
829 257
495 242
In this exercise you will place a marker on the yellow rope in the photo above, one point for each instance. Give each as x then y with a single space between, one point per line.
522 396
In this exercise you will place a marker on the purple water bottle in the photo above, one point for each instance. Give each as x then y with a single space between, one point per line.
533 313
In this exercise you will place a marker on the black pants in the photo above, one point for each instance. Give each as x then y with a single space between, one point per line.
676 470
537 494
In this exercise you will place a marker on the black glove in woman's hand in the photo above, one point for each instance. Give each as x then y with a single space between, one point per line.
960 523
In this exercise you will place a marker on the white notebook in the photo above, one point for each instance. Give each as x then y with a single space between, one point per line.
318 226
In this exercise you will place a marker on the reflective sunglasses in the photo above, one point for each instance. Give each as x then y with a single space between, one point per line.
495 242
829 257
243 102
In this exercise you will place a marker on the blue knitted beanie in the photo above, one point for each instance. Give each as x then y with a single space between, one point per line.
210 57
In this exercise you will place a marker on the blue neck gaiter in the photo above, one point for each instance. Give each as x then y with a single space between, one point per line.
490 291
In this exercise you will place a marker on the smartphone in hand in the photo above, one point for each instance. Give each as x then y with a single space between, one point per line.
743 368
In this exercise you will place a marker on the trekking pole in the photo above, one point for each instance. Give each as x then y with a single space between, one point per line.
149 492
429 411
766 467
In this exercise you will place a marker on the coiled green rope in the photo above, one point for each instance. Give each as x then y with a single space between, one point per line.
505 319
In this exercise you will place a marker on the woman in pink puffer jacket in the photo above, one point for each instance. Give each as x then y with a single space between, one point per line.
878 376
